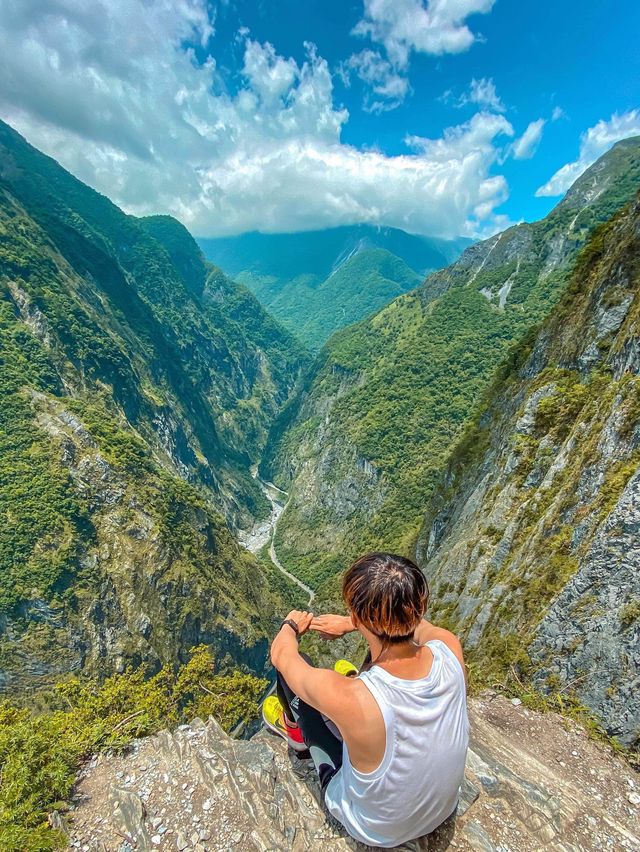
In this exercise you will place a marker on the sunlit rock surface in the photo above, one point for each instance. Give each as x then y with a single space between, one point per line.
532 782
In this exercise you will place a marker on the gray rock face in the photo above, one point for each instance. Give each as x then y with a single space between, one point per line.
530 783
534 546
330 478
134 606
584 636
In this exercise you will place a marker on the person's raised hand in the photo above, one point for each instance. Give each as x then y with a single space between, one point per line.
302 618
331 626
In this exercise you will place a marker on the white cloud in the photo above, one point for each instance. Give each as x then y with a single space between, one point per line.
110 90
481 93
386 89
425 26
269 75
593 143
557 113
472 137
526 145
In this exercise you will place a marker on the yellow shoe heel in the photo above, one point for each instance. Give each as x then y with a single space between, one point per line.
344 667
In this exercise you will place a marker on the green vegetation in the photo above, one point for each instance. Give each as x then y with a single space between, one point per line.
361 286
317 282
630 613
400 389
40 516
312 569
313 310
290 593
127 364
126 302
125 360
40 751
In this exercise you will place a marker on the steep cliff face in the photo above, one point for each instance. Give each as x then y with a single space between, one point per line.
531 541
362 447
140 571
128 305
128 368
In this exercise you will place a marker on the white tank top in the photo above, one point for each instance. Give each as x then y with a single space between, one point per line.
417 784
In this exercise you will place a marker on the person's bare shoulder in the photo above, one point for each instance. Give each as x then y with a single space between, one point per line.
427 632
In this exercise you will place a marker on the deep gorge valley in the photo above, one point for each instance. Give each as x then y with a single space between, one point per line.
177 469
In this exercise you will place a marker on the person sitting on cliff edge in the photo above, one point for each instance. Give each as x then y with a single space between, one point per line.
389 745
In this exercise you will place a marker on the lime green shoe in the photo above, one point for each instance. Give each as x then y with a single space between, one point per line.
344 667
274 719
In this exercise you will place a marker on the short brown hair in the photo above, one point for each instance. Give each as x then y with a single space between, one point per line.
387 594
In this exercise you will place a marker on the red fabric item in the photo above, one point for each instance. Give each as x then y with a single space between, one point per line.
293 732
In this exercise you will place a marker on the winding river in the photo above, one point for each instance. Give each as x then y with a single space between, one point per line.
264 532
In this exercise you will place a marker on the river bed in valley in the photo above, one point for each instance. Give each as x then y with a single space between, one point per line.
264 532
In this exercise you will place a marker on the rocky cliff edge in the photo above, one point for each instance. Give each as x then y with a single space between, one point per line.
533 782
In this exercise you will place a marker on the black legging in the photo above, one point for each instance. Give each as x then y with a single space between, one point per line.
324 744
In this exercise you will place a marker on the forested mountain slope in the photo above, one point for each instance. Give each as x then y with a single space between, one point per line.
360 286
137 385
531 539
319 281
362 446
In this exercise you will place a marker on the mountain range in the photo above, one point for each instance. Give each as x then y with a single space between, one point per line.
361 446
485 421
317 282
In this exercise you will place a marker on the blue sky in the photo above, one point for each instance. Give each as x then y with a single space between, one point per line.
443 117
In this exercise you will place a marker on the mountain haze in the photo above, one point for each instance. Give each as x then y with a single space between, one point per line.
319 281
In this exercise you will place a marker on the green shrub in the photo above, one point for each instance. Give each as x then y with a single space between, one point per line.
40 752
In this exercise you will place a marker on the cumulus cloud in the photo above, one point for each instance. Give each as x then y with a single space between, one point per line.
469 146
385 87
593 143
118 93
557 113
526 145
425 26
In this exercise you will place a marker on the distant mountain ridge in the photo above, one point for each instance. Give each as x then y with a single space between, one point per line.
321 252
293 274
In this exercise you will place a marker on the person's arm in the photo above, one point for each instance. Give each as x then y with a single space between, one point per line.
332 626
323 689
